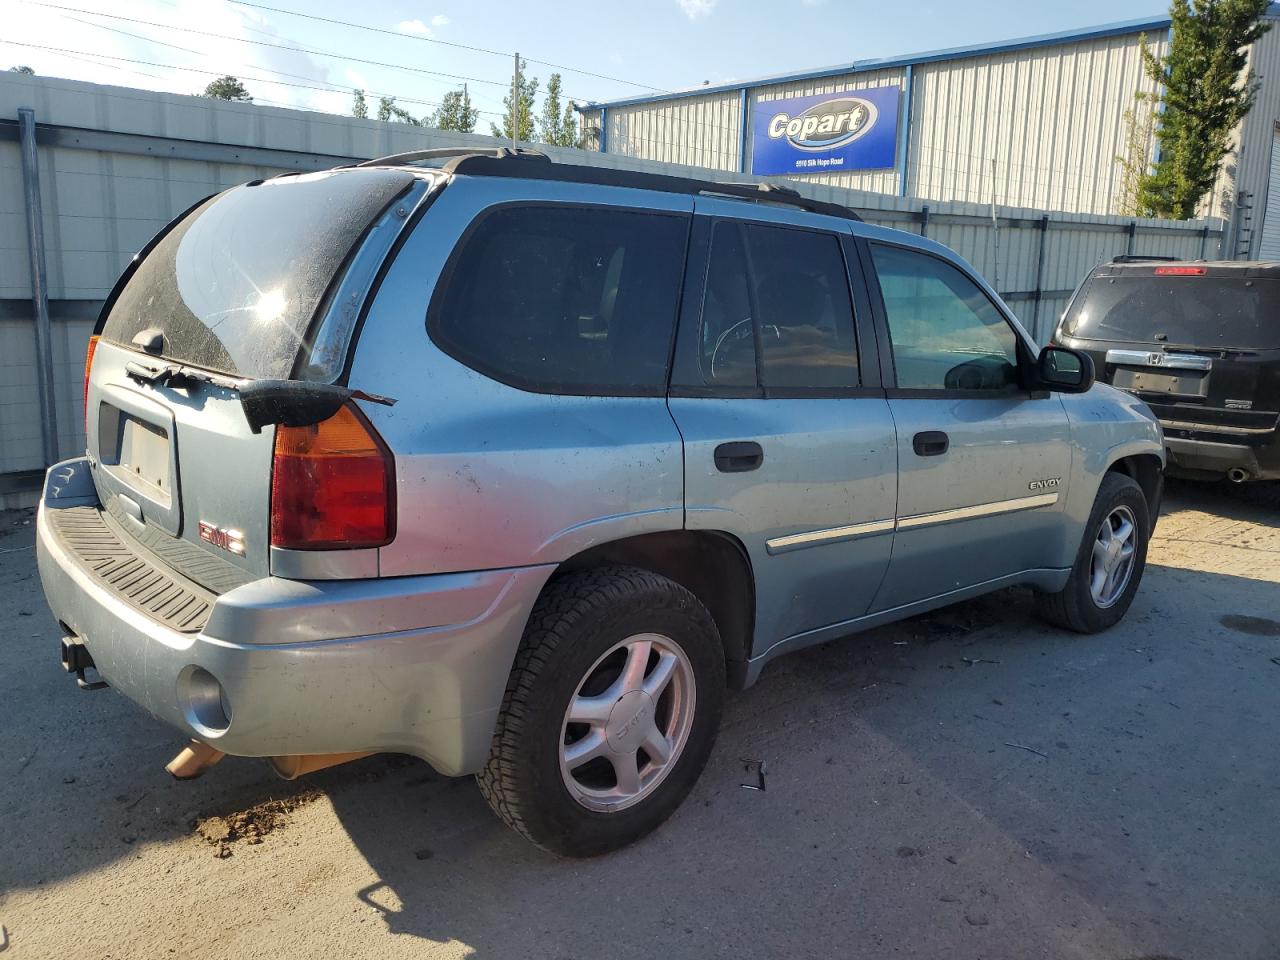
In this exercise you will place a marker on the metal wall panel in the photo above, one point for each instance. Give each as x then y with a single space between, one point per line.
1253 164
698 131
1051 119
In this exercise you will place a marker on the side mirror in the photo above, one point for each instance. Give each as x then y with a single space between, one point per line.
1064 370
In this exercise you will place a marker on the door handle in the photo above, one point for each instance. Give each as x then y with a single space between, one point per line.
739 456
930 443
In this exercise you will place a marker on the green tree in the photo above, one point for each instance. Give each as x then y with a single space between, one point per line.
1139 126
1206 95
387 110
558 124
456 112
528 92
227 88
359 105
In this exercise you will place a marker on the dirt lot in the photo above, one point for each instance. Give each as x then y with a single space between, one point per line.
970 784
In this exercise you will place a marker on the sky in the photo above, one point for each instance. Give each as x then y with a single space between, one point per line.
604 49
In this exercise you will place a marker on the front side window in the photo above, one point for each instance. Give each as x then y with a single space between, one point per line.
578 300
783 295
946 333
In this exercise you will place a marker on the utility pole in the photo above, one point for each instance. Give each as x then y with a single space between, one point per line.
515 105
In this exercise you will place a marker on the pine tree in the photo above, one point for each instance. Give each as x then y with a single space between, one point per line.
359 106
456 112
528 92
1205 98
558 125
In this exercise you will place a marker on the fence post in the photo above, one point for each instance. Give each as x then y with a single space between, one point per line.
1039 291
1132 230
924 220
39 284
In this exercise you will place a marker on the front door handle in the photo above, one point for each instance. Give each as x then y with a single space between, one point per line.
739 456
930 443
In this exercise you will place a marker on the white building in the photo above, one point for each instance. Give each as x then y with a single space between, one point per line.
1037 122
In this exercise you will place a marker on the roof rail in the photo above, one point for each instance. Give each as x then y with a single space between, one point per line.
535 165
445 153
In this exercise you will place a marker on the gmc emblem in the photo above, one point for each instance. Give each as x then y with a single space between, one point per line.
230 540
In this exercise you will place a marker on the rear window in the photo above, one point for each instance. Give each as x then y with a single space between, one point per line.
235 286
564 299
1190 311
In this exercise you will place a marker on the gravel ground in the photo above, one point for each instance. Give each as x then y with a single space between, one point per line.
969 784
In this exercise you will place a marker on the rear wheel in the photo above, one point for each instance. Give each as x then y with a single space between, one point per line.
610 713
1110 562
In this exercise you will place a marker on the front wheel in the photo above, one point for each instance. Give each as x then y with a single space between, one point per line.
610 713
1110 562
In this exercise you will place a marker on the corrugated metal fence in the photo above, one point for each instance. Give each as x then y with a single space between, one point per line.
114 165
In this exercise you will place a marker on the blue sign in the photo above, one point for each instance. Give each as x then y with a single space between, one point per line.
828 133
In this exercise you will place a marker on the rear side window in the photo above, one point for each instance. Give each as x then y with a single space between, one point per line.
563 299
235 286
1192 311
778 298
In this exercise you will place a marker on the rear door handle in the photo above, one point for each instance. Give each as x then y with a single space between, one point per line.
930 443
739 456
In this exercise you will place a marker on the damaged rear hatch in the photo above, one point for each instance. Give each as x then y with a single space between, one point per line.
264 282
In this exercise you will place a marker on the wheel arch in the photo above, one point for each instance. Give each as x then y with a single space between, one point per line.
1147 470
713 566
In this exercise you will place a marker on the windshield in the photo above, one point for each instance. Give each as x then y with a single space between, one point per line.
1212 312
235 286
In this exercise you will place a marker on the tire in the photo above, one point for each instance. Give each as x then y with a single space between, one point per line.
1076 606
584 627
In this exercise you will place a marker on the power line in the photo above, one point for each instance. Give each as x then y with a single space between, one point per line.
447 43
218 73
263 43
332 87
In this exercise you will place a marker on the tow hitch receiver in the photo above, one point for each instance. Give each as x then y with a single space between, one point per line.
77 659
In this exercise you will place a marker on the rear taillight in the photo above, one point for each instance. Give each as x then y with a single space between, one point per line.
88 363
332 485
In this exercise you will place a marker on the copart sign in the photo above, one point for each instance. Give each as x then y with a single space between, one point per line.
828 133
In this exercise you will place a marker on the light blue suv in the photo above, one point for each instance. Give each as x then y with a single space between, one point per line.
515 465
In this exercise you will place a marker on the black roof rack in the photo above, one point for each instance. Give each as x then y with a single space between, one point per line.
535 165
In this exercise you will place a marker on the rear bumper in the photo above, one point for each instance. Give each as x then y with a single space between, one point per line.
412 665
1195 454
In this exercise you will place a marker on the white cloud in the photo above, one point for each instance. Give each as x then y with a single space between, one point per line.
439 20
696 9
416 27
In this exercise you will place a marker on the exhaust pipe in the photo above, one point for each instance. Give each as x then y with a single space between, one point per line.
293 767
1237 475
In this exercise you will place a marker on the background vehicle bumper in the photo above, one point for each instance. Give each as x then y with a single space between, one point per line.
412 665
1260 460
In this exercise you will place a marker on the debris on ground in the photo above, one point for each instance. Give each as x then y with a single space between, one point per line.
760 767
1022 746
251 825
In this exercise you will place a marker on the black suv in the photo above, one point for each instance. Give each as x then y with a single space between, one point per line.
1200 343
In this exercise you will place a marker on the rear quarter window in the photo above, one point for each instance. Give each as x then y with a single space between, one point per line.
564 299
